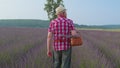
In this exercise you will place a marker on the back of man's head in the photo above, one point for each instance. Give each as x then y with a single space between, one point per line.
60 9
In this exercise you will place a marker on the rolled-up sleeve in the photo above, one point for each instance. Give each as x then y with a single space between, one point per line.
72 27
50 29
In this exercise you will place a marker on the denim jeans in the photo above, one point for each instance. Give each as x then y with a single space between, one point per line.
62 59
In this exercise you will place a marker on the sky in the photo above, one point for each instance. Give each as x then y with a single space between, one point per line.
82 12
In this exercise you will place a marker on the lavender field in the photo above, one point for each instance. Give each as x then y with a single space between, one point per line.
26 48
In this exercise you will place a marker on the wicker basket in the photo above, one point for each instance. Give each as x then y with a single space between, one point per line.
77 41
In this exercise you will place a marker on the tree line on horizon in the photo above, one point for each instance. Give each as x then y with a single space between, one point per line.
45 24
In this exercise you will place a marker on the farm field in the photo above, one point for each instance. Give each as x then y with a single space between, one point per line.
26 48
111 30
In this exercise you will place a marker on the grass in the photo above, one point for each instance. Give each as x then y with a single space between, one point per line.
5 58
2 41
88 63
27 47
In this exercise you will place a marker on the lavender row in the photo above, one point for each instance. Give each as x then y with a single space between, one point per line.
16 50
100 43
26 48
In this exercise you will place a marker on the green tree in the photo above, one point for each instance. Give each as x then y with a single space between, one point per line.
50 7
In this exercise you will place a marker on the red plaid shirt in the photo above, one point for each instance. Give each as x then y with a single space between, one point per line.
61 27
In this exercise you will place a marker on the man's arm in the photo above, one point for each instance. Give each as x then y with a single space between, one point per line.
49 41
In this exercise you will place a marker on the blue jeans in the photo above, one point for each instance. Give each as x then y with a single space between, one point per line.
62 58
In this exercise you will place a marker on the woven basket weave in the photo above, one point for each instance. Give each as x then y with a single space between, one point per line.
77 41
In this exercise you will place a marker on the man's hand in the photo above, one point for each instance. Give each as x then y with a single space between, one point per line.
49 53
74 33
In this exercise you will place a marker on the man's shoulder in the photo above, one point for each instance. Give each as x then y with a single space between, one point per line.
53 21
69 19
59 19
56 20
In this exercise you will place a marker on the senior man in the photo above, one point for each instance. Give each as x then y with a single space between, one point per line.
60 31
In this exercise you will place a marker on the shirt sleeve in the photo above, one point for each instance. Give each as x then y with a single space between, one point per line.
50 29
72 27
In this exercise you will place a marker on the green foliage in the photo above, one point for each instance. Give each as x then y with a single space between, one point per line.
45 23
5 58
24 23
50 7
